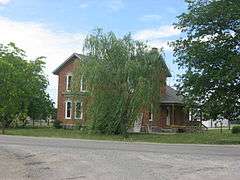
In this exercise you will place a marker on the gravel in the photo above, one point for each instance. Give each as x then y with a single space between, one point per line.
57 158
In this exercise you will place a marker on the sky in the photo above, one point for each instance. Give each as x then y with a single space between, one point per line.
57 28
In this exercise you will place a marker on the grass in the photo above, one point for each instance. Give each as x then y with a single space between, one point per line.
209 137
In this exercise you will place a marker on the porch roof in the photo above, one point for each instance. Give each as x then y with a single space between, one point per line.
171 97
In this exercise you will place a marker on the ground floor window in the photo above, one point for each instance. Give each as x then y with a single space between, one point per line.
78 110
68 110
150 114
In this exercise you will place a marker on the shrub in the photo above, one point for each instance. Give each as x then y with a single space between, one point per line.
236 129
78 125
57 124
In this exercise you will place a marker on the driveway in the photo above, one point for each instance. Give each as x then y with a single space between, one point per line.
54 158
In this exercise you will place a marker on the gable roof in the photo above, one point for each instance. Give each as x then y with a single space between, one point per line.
71 58
171 97
79 56
168 74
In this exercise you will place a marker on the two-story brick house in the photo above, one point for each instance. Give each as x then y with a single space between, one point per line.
71 111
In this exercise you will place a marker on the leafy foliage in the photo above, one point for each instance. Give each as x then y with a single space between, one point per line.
235 129
122 77
22 86
40 105
57 124
210 56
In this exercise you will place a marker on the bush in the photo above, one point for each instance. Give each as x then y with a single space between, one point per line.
236 129
78 125
57 124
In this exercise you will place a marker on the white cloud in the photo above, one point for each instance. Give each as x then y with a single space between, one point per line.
151 17
4 2
157 37
83 5
38 40
161 32
107 5
160 44
114 5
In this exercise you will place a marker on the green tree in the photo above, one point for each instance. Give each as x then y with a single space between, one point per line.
122 77
20 82
40 106
12 87
210 55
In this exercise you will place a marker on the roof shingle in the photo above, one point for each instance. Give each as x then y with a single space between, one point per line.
171 97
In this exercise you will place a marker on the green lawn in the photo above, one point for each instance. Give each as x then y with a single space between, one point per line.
209 137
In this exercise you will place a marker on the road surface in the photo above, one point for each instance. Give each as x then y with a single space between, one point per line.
66 159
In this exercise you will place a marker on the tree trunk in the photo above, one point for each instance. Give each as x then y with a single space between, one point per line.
229 125
221 127
124 123
3 126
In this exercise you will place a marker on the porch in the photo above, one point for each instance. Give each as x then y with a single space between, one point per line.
172 118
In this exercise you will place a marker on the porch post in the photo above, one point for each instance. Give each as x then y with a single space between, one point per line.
173 117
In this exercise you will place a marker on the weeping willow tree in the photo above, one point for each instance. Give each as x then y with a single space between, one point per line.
123 77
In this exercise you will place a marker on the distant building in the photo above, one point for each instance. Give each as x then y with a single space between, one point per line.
214 124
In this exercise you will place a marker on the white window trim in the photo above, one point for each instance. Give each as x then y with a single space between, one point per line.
68 82
81 85
151 117
151 114
66 102
81 115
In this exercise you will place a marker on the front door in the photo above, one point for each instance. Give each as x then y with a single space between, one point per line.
168 117
138 123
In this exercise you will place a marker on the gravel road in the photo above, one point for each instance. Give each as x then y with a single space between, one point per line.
62 159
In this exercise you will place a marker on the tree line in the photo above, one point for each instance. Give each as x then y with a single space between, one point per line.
22 87
209 53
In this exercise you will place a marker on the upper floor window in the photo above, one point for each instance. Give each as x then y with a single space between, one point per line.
69 82
83 86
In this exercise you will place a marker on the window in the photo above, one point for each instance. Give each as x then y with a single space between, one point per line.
69 82
68 110
150 116
78 110
83 84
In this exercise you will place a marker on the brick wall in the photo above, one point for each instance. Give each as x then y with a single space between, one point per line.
67 69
